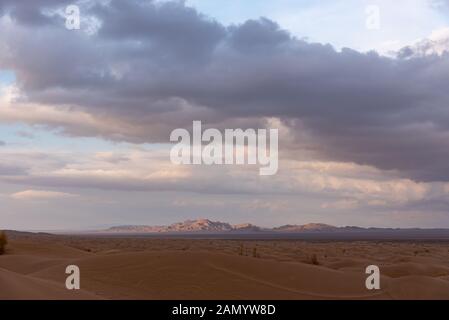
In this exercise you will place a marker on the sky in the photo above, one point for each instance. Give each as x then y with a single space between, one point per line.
361 106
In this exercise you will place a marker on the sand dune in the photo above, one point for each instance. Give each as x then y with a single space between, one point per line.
18 286
203 269
203 275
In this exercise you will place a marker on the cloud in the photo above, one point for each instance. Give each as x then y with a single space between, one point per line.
305 190
41 195
148 171
270 205
111 157
25 134
436 44
151 67
341 204
2 143
11 170
35 13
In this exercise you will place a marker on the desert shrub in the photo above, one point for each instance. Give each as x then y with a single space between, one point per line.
3 242
255 253
313 260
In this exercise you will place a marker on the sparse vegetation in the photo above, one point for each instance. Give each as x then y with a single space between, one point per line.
313 259
255 254
3 242
241 250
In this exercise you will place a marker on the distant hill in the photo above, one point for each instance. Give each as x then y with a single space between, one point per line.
306 227
205 228
203 225
13 235
206 225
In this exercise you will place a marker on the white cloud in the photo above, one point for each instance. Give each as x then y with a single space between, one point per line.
41 195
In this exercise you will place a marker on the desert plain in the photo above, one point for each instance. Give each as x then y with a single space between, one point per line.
128 267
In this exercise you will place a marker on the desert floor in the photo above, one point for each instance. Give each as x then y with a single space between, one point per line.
142 268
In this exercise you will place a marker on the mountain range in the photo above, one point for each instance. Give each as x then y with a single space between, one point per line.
206 225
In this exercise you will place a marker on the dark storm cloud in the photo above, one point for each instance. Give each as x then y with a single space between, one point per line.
169 29
162 65
257 35
32 13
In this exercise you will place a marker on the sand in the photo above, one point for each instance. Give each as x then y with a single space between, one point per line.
142 268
